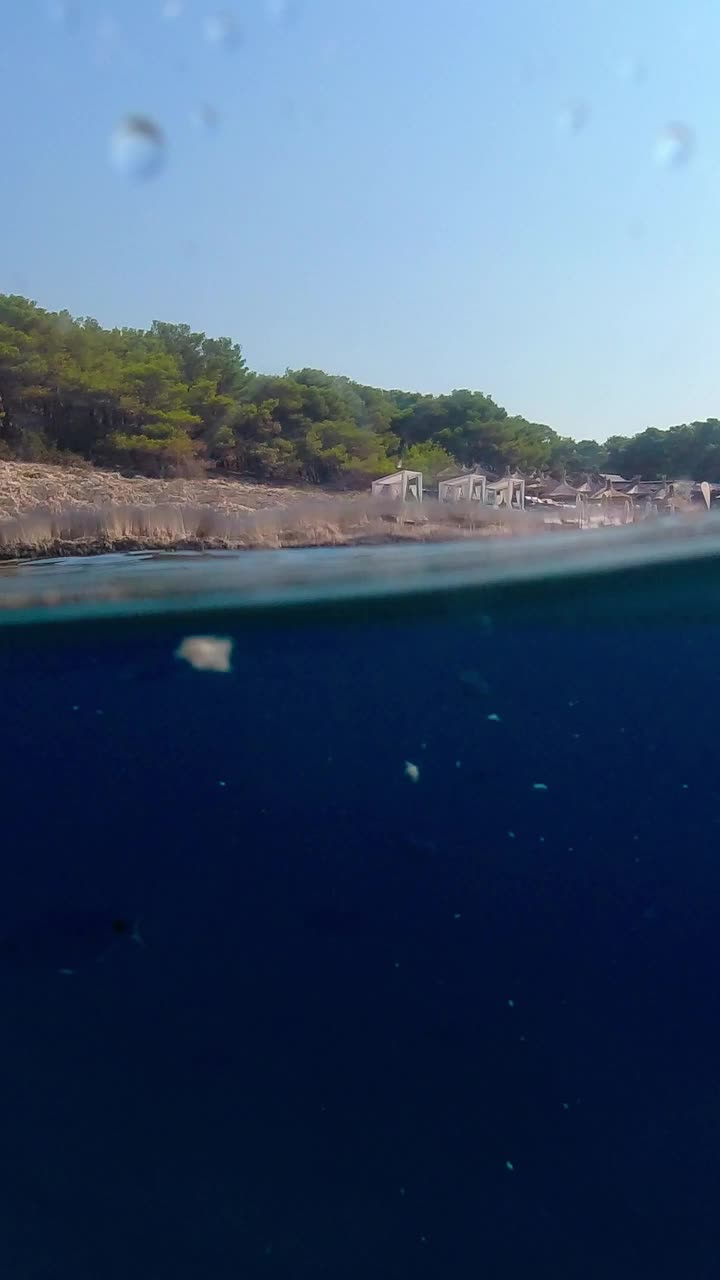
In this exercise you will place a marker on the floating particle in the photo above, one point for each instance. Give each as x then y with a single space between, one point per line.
494 717
511 835
573 117
458 764
684 786
566 1106
457 916
511 1004
411 771
222 784
137 148
674 146
539 786
510 1166
206 653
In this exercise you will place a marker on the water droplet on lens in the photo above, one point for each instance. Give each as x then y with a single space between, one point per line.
204 118
573 117
630 70
222 29
109 41
283 12
674 146
137 147
63 12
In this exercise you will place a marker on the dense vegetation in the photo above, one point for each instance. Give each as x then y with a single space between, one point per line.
167 400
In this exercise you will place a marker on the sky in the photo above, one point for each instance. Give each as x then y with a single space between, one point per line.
420 195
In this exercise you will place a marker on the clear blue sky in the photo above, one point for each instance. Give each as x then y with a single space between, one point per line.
387 193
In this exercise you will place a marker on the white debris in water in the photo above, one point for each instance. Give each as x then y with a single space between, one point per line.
222 784
539 786
457 916
411 771
510 1166
511 835
494 717
511 1004
458 764
206 653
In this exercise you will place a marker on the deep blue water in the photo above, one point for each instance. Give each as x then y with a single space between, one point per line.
454 1027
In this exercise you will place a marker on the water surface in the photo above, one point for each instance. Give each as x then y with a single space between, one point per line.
453 1021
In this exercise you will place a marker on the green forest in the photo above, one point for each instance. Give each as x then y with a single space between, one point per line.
169 401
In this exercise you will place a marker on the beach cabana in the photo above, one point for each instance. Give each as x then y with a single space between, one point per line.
401 486
469 487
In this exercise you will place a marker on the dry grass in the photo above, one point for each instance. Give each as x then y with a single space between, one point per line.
52 511
25 486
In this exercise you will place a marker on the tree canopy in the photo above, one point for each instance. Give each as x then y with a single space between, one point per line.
166 400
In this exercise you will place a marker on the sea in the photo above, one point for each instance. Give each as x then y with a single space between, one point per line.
360 913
